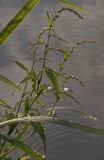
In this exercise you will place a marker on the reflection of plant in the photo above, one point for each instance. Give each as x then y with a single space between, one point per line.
30 113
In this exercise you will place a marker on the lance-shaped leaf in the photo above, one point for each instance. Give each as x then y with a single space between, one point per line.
27 105
8 116
26 79
4 104
66 54
22 66
23 147
64 123
17 19
74 6
51 75
49 19
24 158
10 83
39 128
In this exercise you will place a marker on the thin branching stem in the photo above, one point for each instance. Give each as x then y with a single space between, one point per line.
21 99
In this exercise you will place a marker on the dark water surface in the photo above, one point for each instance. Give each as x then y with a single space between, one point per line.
87 63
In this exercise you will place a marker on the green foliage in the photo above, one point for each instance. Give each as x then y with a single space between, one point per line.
12 25
29 113
74 6
17 19
53 79
24 158
49 19
22 66
10 83
23 147
65 123
39 128
4 104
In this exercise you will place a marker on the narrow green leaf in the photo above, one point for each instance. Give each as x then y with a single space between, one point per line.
23 147
60 38
33 77
79 126
51 75
39 102
24 158
41 131
49 19
42 88
71 96
10 83
75 6
66 54
17 19
64 123
10 116
22 66
26 79
3 103
27 105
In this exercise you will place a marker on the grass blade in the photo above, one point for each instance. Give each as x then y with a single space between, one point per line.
75 6
10 83
3 103
41 131
79 126
26 79
68 94
49 19
17 19
22 66
25 158
22 146
64 123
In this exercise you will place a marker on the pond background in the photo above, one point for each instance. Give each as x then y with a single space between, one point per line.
87 63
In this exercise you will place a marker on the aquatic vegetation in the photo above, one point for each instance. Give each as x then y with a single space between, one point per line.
30 113
30 4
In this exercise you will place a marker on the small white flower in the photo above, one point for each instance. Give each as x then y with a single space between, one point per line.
49 88
91 117
65 89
